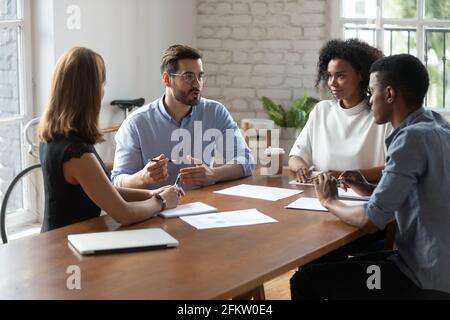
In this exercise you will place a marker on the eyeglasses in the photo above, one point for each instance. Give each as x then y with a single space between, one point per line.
190 77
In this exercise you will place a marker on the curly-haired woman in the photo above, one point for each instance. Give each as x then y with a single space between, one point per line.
341 133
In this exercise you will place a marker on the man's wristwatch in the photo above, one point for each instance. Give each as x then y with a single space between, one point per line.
162 200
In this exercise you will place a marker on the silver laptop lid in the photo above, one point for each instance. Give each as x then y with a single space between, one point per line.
101 242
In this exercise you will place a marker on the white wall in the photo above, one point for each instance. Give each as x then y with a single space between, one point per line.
162 23
43 52
109 28
130 35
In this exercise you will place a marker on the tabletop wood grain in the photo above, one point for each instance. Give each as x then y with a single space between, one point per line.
208 264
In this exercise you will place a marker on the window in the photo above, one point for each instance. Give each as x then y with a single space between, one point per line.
418 27
13 106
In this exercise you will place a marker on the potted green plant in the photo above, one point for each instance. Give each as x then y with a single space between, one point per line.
291 120
295 116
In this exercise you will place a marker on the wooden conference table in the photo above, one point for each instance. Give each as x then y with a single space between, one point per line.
209 264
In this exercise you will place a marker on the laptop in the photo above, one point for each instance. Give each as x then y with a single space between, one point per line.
121 241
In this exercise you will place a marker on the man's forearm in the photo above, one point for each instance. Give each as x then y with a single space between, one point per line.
373 174
132 181
228 172
352 215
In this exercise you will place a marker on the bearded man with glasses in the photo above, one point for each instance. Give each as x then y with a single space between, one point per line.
180 134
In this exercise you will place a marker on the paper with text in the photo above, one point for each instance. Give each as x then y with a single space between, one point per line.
228 219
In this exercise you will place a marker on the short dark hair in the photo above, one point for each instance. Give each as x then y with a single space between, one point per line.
405 73
169 61
354 51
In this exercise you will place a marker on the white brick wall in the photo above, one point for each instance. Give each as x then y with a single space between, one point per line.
260 47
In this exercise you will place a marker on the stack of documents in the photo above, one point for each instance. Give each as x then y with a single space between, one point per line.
258 192
188 210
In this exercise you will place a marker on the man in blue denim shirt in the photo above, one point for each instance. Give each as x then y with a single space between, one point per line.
413 190
180 134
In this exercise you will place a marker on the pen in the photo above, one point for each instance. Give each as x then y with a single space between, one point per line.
156 160
177 180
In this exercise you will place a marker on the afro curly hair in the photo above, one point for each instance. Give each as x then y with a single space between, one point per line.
356 52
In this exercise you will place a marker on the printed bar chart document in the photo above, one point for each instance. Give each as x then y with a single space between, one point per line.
259 192
228 219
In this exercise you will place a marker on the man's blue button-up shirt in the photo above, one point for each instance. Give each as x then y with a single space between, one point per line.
208 133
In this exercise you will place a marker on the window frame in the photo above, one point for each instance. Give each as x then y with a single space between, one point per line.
23 21
338 21
25 87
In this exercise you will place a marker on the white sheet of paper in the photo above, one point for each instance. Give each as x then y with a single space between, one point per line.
351 194
228 219
314 204
188 210
259 192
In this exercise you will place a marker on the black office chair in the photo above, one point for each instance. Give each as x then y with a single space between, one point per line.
22 207
23 212
128 105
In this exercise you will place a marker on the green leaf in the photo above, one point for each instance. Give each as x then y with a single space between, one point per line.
299 103
291 118
300 119
310 104
297 114
274 111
